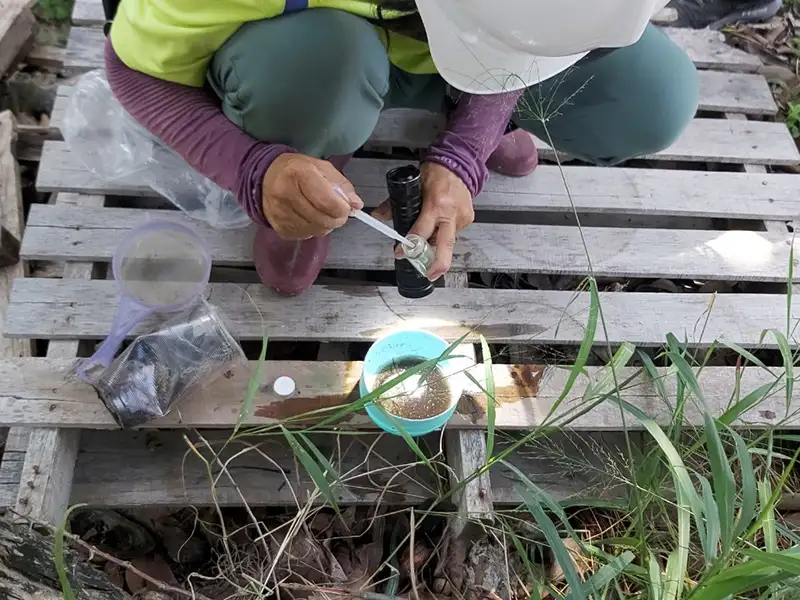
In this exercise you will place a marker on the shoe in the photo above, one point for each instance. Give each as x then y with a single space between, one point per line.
291 267
716 14
516 156
288 267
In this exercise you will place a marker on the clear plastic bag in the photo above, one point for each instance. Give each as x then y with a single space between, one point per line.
161 368
112 145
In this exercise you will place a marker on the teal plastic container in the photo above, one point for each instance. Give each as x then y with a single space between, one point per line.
406 344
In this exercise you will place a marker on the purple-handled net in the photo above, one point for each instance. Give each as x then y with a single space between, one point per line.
160 267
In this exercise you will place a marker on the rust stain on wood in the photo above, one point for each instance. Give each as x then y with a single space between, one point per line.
306 400
527 379
297 406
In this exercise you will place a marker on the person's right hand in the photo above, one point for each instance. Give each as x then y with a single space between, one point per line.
300 200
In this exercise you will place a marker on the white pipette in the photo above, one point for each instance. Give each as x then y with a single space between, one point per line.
380 226
373 222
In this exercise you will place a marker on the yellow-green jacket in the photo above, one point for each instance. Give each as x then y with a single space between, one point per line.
174 40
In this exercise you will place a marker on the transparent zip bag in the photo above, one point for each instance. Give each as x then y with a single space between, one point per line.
113 146
161 368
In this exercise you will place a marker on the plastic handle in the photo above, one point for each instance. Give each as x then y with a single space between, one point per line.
129 315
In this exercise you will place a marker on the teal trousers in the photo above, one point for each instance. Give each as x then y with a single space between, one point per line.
318 80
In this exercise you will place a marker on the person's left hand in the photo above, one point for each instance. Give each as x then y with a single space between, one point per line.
446 210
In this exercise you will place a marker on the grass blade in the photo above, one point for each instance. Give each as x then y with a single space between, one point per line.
788 363
710 541
788 561
747 511
687 501
685 372
608 572
749 401
746 354
311 466
585 347
246 409
58 553
655 376
560 552
606 378
724 483
490 397
655 585
330 471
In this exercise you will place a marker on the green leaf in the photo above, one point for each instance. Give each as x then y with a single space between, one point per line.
490 397
710 541
685 372
58 553
585 347
655 376
788 364
406 436
655 585
246 409
313 469
607 377
560 552
747 511
746 354
687 502
607 573
330 471
749 401
788 562
724 483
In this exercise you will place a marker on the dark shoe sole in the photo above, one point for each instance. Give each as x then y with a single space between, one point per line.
761 13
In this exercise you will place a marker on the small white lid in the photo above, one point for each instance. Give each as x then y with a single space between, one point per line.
284 386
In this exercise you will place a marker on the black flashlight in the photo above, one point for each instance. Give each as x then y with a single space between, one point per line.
405 195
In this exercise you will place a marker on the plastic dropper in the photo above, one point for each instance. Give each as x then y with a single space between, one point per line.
375 223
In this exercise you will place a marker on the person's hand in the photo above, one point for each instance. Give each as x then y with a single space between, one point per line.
300 199
446 210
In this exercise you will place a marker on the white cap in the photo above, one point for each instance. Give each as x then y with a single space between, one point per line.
284 386
491 46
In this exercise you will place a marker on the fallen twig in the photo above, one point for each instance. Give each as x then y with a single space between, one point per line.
339 591
94 551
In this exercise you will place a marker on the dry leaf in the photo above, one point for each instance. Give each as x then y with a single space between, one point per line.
154 566
575 553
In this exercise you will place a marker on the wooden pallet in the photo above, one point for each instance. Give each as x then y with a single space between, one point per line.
640 223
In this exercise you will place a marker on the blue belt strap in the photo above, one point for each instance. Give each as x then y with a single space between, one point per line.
295 6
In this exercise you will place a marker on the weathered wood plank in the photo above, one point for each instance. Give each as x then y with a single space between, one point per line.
49 464
53 309
12 218
707 49
17 30
88 12
466 453
85 48
156 468
42 392
703 140
89 234
735 92
650 192
127 469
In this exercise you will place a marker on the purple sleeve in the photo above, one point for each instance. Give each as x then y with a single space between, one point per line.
190 121
473 132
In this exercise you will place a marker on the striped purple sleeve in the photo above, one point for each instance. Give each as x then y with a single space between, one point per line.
474 130
190 121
